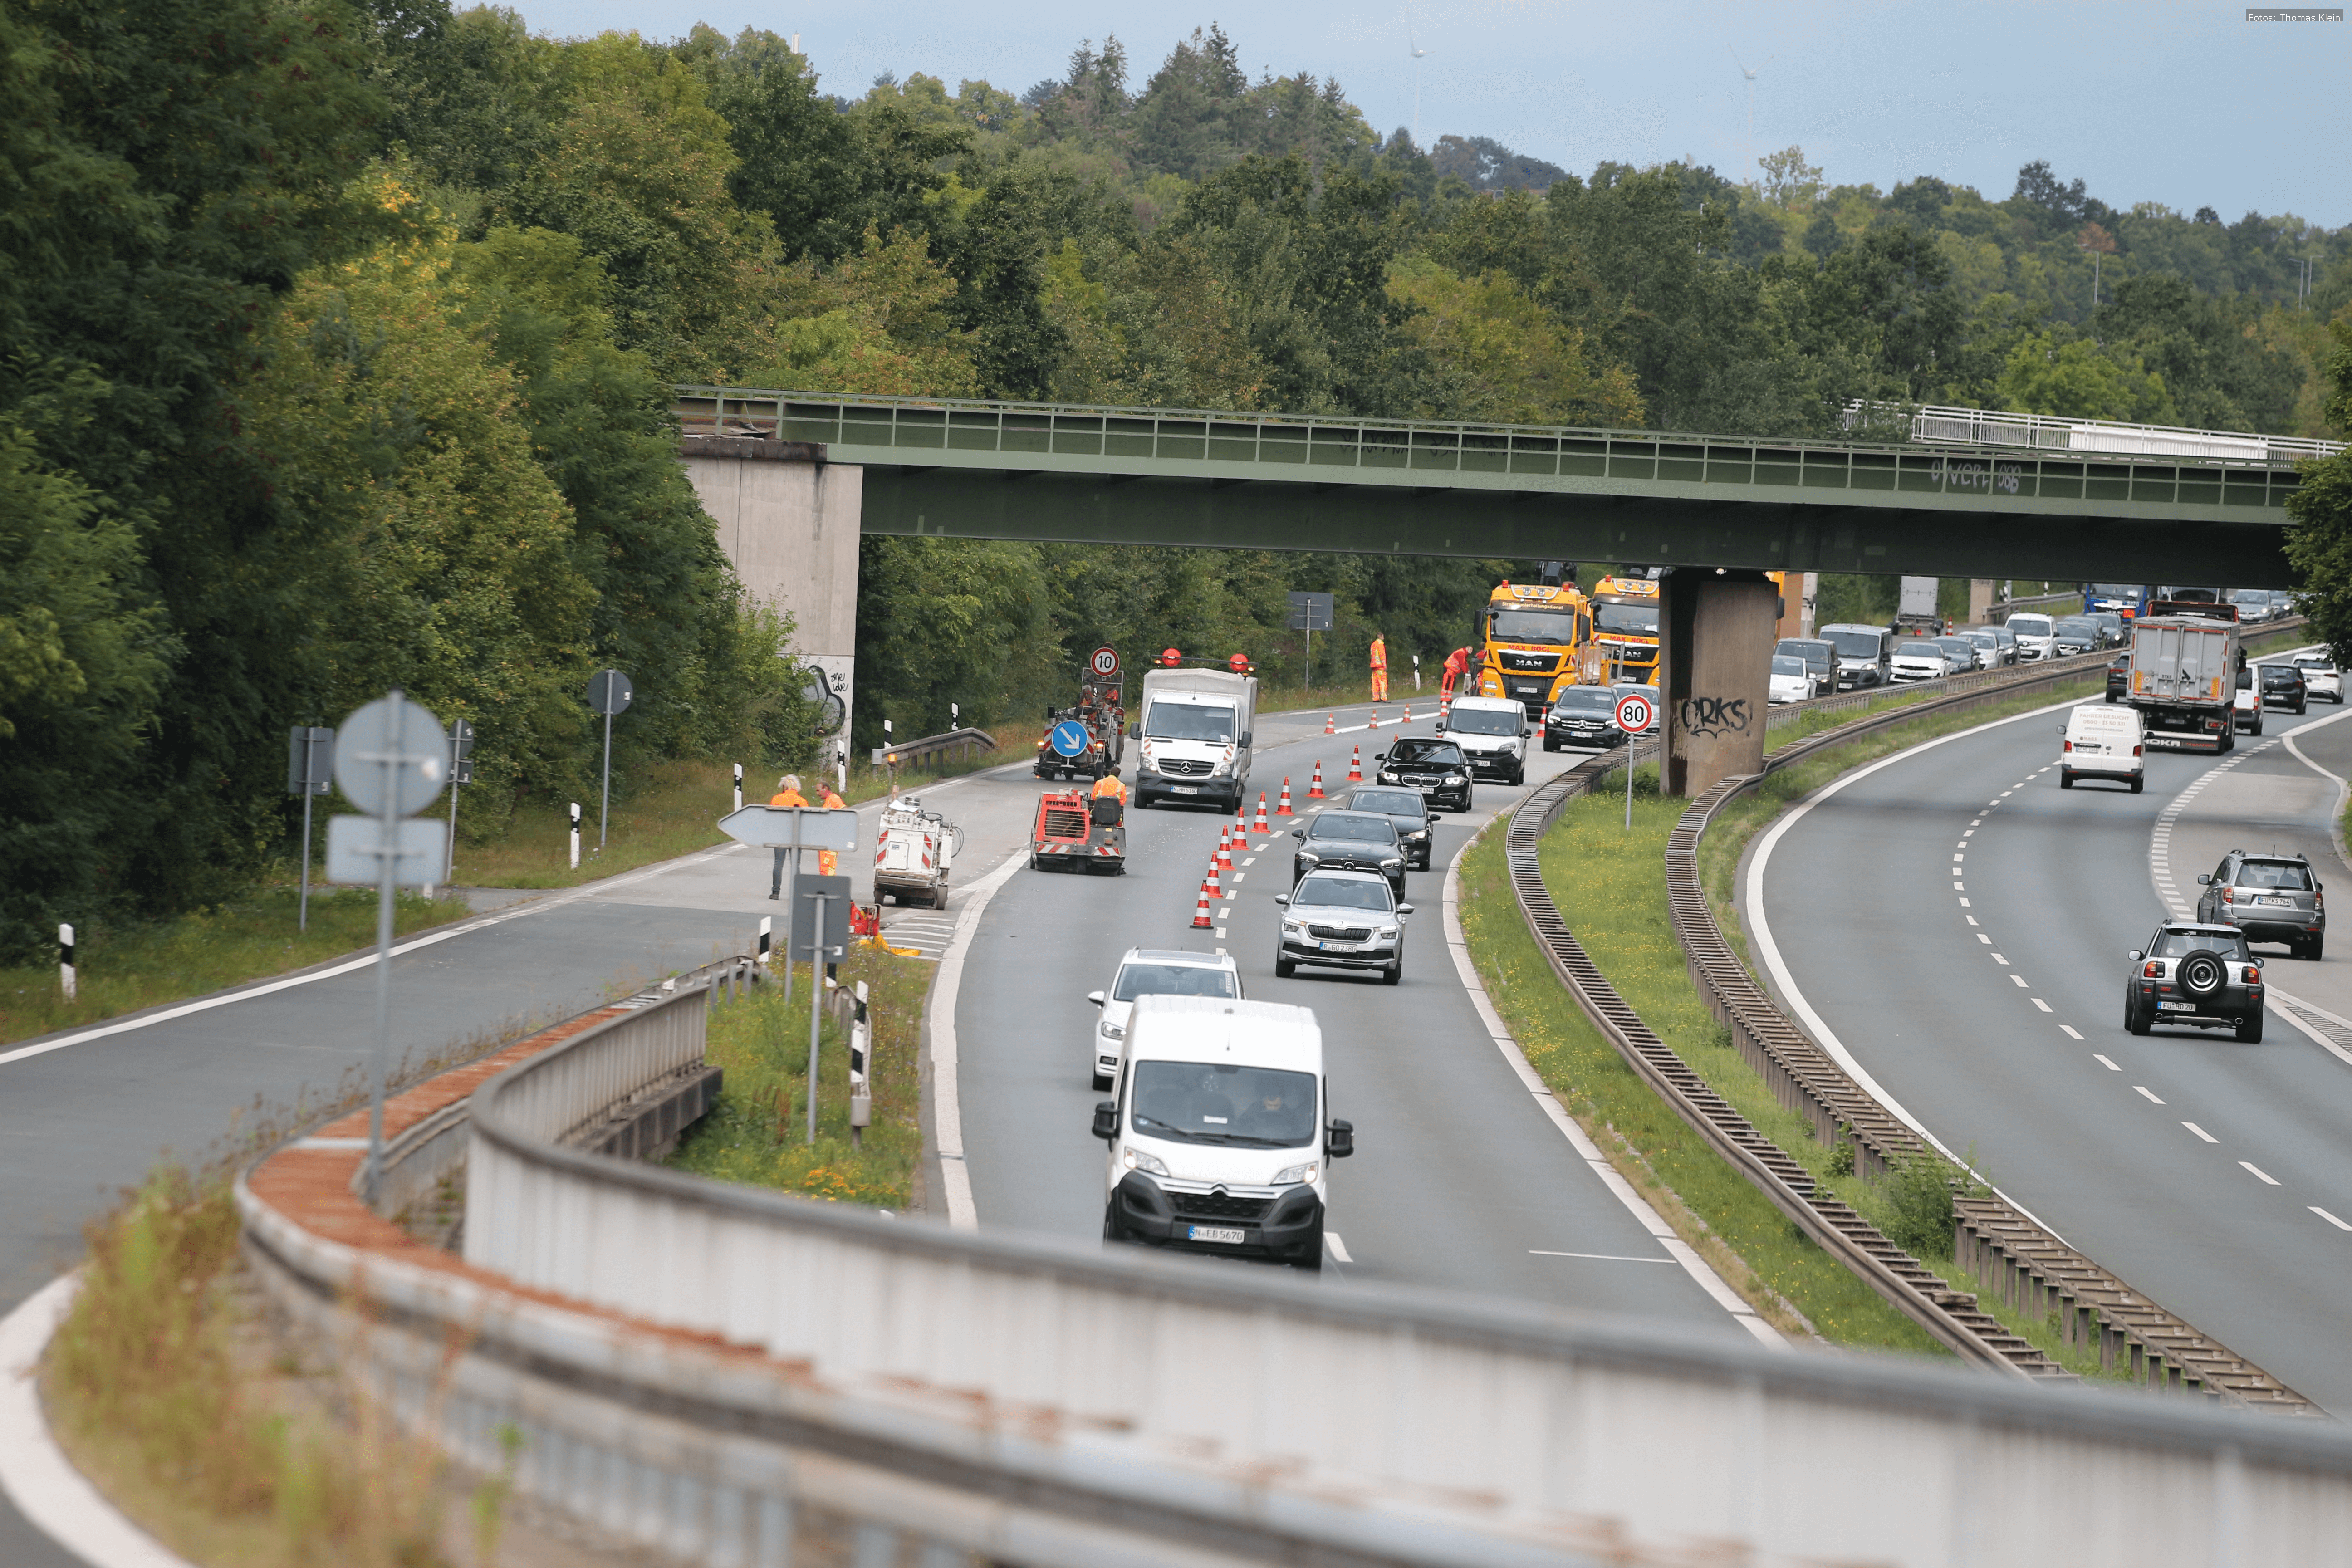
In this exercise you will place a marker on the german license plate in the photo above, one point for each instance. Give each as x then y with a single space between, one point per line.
1339 946
1188 789
2176 1006
2272 898
1226 1234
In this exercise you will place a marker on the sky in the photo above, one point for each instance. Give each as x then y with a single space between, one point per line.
2185 104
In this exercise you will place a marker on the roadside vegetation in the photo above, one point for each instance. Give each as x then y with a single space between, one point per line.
757 1133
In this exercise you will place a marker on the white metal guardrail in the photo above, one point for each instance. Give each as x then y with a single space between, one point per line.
1998 427
731 1376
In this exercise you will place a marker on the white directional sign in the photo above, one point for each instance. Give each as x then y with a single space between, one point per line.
785 827
391 747
1633 713
355 845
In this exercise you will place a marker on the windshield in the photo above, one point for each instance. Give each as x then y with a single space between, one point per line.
2274 874
1631 620
2315 665
1810 652
1359 829
2181 943
1854 645
1483 721
1344 893
2030 625
1554 627
1783 665
2281 675
1221 1102
2077 626
1189 722
1577 698
1926 650
1395 801
1444 751
2116 590
1984 639
1958 648
1171 980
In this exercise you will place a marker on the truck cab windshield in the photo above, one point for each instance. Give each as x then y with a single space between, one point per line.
1628 620
1189 722
1219 1102
1554 628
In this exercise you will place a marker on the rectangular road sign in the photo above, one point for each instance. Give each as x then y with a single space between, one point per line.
420 851
310 760
773 826
1310 612
834 939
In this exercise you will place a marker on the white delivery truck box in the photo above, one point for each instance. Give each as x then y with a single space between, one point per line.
2183 680
1192 733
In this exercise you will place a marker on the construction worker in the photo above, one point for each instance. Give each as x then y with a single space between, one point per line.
1380 668
1458 665
788 792
825 858
1108 784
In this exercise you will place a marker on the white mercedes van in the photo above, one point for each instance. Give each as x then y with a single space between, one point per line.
1219 1133
2101 741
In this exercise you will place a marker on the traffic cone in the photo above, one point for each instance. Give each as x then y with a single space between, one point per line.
1315 784
1408 712
1356 766
1224 856
1261 826
1281 806
1201 921
1330 723
1376 720
1212 883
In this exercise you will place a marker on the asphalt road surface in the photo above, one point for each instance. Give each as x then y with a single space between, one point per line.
1960 926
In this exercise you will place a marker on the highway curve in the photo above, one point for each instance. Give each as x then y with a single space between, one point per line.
1460 1181
1959 925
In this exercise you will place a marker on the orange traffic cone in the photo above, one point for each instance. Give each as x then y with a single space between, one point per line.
1201 921
1356 766
1330 723
1408 712
1376 720
1281 806
1315 784
1224 858
1261 826
1216 888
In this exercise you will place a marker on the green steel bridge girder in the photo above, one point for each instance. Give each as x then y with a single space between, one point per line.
1248 481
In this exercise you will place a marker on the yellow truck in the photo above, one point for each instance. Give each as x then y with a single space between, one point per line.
1533 641
1625 629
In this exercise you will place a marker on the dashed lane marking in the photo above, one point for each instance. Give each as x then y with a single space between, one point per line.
2070 1031
2103 1061
2148 1092
1338 1248
2258 1173
2329 1218
2200 1133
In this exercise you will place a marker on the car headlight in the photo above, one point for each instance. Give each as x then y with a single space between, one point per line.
1391 860
1307 857
1295 1173
1418 833
1136 1159
1388 775
1114 1031
1454 778
1293 928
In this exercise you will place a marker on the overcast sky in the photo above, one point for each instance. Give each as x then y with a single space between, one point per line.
2186 104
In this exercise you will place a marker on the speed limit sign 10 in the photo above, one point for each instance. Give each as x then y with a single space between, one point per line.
1104 661
1632 714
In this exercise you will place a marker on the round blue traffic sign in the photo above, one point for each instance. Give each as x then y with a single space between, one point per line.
1070 738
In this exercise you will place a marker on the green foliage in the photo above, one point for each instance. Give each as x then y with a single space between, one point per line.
2078 379
2320 544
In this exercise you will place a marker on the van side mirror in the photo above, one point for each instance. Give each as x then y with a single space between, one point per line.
1106 1119
2137 955
1339 1139
1245 740
2204 879
1096 997
1135 730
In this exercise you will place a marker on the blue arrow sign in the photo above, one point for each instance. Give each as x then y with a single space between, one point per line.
1070 738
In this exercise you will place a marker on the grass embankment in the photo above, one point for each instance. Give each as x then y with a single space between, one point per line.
757 1134
167 1386
121 968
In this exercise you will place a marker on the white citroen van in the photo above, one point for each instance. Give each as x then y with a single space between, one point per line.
2102 741
1492 734
1219 1133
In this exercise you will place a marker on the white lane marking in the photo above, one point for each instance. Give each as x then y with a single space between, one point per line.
1221 933
1980 936
1624 1191
2296 1004
2071 1031
2329 1218
2149 1092
1338 1248
1972 920
1957 859
1966 905
1596 1257
1759 927
2041 1003
2259 1174
1249 860
947 1106
2104 1060
1999 959
34 1474
2200 1133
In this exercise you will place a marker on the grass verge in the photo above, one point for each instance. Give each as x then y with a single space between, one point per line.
123 968
757 1134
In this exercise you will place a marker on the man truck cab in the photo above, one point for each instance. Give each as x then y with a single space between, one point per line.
1532 640
1219 1131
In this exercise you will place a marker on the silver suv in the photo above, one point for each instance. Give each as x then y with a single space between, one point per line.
2270 897
1347 920
2198 975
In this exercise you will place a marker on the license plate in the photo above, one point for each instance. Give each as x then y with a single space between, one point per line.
2176 1006
1339 946
2272 899
1188 789
1224 1234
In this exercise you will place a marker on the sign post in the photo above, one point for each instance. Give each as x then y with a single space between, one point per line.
461 772
609 692
795 828
309 768
1632 716
389 768
1310 613
739 787
861 1093
820 929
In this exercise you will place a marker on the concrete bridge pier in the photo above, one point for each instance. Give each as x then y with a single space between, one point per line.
788 520
1716 630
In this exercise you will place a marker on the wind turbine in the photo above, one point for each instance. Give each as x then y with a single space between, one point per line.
1748 163
1417 53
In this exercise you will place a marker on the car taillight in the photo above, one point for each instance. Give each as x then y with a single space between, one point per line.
2254 974
2068 747
2229 895
2152 970
2135 751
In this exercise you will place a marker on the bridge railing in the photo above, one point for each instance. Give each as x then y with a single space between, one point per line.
1998 427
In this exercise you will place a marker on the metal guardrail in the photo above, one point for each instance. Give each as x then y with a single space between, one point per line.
2029 1270
1996 427
964 745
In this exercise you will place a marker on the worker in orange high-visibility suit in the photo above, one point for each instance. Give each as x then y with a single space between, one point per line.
1458 665
788 792
1380 668
825 858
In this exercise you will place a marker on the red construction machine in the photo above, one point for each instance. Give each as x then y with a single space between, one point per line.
1079 832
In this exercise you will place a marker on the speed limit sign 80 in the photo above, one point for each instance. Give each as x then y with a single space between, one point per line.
1632 714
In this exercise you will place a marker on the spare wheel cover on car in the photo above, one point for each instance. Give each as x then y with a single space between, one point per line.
2201 974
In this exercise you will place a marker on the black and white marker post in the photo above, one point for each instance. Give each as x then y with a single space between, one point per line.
609 692
66 961
861 1092
575 835
739 787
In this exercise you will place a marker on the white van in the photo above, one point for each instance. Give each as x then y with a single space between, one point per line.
1194 730
2102 741
1218 1137
2037 636
1492 734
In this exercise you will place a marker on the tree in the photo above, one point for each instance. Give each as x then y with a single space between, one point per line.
2077 379
2319 545
1501 356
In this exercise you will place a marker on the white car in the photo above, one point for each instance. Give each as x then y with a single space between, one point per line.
2320 677
1153 972
2247 706
1220 1133
1917 658
1492 734
2103 742
2036 635
1790 680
